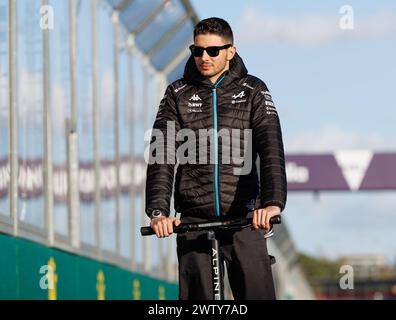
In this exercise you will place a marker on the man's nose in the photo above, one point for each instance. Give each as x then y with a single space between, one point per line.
205 56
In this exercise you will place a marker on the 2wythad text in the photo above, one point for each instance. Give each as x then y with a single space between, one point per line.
198 309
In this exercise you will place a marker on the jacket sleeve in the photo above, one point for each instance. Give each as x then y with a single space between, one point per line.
267 140
160 169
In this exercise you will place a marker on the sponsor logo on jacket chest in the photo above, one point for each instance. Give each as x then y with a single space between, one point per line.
194 104
238 97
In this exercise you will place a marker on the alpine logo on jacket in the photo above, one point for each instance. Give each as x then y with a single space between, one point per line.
239 95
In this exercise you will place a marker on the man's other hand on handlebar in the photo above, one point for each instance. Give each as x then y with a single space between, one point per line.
163 226
261 217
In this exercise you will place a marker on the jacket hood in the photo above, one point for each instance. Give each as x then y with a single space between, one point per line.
237 70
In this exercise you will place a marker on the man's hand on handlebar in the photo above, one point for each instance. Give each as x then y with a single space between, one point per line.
261 217
163 226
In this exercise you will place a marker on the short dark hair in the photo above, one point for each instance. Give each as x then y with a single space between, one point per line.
215 26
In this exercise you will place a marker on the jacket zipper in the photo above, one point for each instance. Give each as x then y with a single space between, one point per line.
216 167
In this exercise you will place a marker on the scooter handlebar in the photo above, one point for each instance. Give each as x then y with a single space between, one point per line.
210 225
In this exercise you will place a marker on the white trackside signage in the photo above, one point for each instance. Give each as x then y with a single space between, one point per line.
354 164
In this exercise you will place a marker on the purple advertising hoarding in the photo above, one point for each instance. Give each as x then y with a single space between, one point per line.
30 179
308 173
342 171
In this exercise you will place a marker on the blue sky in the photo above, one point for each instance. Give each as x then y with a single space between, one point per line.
334 89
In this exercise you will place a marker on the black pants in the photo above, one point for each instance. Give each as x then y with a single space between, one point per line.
247 261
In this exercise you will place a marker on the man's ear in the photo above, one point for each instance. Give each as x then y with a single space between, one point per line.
231 53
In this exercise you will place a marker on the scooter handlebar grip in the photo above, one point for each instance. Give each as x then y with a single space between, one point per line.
146 231
276 220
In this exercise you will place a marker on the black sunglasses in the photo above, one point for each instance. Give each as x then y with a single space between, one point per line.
211 51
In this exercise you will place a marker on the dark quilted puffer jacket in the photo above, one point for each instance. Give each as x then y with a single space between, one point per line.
207 184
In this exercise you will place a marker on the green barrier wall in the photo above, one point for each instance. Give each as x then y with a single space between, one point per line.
25 273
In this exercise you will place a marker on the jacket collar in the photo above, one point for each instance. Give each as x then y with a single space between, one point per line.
237 70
